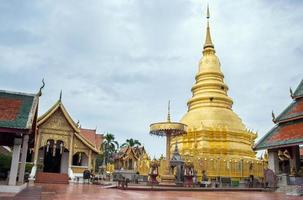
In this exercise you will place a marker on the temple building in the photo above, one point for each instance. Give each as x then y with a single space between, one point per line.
128 158
217 141
284 139
18 119
62 146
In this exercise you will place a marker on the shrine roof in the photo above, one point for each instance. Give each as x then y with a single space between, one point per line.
294 110
139 151
17 110
286 134
125 151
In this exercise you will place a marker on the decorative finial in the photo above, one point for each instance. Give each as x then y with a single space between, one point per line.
273 116
208 42
207 14
78 123
168 111
60 97
291 93
40 90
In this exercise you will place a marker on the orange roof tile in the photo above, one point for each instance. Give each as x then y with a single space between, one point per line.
90 135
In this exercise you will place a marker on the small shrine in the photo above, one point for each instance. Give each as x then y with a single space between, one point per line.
176 166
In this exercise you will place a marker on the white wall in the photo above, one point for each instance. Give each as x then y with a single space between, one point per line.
64 162
84 160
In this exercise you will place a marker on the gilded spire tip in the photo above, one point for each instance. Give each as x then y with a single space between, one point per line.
168 111
208 42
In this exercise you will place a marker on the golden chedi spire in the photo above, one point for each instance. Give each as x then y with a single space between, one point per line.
213 128
209 90
208 42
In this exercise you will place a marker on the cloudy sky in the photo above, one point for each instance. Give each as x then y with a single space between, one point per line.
118 62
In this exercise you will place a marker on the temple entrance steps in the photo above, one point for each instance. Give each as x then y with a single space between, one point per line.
51 178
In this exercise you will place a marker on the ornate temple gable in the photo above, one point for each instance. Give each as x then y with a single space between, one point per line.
59 111
57 123
79 146
127 152
130 154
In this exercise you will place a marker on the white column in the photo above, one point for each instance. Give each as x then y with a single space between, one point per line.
15 161
23 159
36 154
273 161
70 157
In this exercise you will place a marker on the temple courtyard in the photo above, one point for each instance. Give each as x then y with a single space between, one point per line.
83 192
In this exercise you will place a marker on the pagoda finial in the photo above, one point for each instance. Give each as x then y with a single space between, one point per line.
207 14
168 111
208 45
60 97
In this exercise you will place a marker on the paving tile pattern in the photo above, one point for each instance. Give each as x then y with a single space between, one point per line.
91 192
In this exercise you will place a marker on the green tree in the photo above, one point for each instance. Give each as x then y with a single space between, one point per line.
131 143
109 147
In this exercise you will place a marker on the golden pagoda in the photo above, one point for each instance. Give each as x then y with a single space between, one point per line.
217 141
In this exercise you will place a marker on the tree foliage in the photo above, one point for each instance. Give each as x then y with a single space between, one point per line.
131 143
109 148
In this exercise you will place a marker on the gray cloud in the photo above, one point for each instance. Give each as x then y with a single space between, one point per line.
118 62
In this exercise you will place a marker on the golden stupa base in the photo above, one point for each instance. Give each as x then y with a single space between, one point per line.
168 179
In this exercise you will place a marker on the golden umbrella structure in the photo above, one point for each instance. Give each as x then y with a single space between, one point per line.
168 129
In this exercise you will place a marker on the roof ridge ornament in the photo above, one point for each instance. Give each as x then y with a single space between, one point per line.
273 116
60 97
40 90
291 93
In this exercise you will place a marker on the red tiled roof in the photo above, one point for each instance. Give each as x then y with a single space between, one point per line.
17 110
285 134
297 108
99 141
288 132
92 137
9 108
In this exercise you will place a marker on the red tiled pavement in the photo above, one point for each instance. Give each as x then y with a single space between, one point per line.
90 192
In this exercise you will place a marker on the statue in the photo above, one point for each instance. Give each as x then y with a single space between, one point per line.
188 174
153 171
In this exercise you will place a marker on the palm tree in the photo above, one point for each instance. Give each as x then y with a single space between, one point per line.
131 143
109 147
